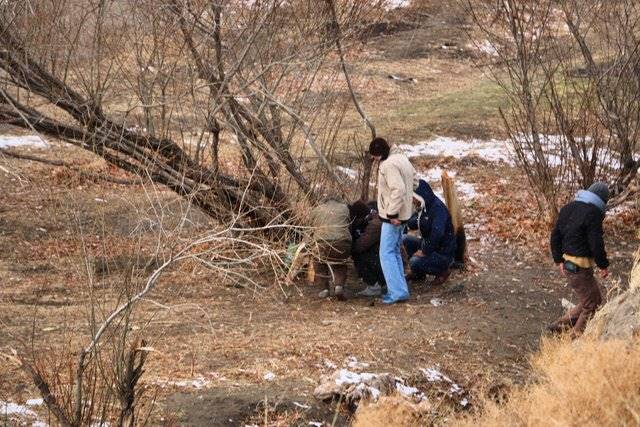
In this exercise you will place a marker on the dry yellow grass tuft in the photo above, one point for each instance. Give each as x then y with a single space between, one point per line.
390 411
590 383
587 383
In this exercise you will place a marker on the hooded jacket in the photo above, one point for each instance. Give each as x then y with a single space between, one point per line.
578 230
434 222
395 186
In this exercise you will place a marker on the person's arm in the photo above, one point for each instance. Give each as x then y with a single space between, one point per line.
556 243
396 195
432 242
369 237
595 237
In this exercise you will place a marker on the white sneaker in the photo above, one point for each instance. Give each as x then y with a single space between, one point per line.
371 291
323 294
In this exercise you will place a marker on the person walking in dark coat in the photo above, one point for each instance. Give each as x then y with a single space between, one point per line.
366 227
577 246
433 253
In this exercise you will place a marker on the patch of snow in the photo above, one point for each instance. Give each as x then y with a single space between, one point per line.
196 383
349 172
10 408
316 423
405 390
433 375
367 390
486 47
99 200
492 150
269 376
353 363
35 402
455 389
467 190
434 177
301 405
329 364
437 302
396 4
347 377
374 393
17 141
39 424
464 402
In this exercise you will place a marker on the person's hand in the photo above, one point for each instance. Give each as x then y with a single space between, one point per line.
395 222
604 273
561 265
419 254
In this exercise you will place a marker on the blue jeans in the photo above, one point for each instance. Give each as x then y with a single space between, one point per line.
434 263
391 261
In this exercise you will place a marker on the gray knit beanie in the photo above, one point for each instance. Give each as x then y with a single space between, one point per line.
601 190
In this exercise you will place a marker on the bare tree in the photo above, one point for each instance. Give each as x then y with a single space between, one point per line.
572 119
135 81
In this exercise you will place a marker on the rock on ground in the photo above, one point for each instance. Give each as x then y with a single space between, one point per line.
620 317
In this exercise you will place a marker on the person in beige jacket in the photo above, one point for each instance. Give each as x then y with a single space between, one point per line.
396 178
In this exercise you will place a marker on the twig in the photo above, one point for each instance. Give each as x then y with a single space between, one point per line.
334 16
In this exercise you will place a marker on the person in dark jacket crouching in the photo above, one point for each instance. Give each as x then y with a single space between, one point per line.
366 227
577 246
433 253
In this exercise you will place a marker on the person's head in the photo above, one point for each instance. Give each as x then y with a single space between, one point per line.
358 211
379 149
601 190
423 194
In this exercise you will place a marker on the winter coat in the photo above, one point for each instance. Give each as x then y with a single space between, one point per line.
395 186
434 222
578 230
366 234
331 222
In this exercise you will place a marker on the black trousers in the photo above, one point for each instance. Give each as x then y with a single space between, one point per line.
368 267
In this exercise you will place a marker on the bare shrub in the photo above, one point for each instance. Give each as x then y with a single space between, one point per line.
568 70
90 372
235 105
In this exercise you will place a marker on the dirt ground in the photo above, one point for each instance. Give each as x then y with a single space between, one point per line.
214 344
227 355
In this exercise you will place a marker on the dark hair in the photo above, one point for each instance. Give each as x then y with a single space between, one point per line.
379 147
358 209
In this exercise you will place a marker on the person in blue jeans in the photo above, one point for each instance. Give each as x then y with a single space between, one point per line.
395 194
434 251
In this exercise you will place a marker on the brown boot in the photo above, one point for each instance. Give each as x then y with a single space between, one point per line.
439 280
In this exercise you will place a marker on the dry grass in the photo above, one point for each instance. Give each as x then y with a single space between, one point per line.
587 383
390 411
